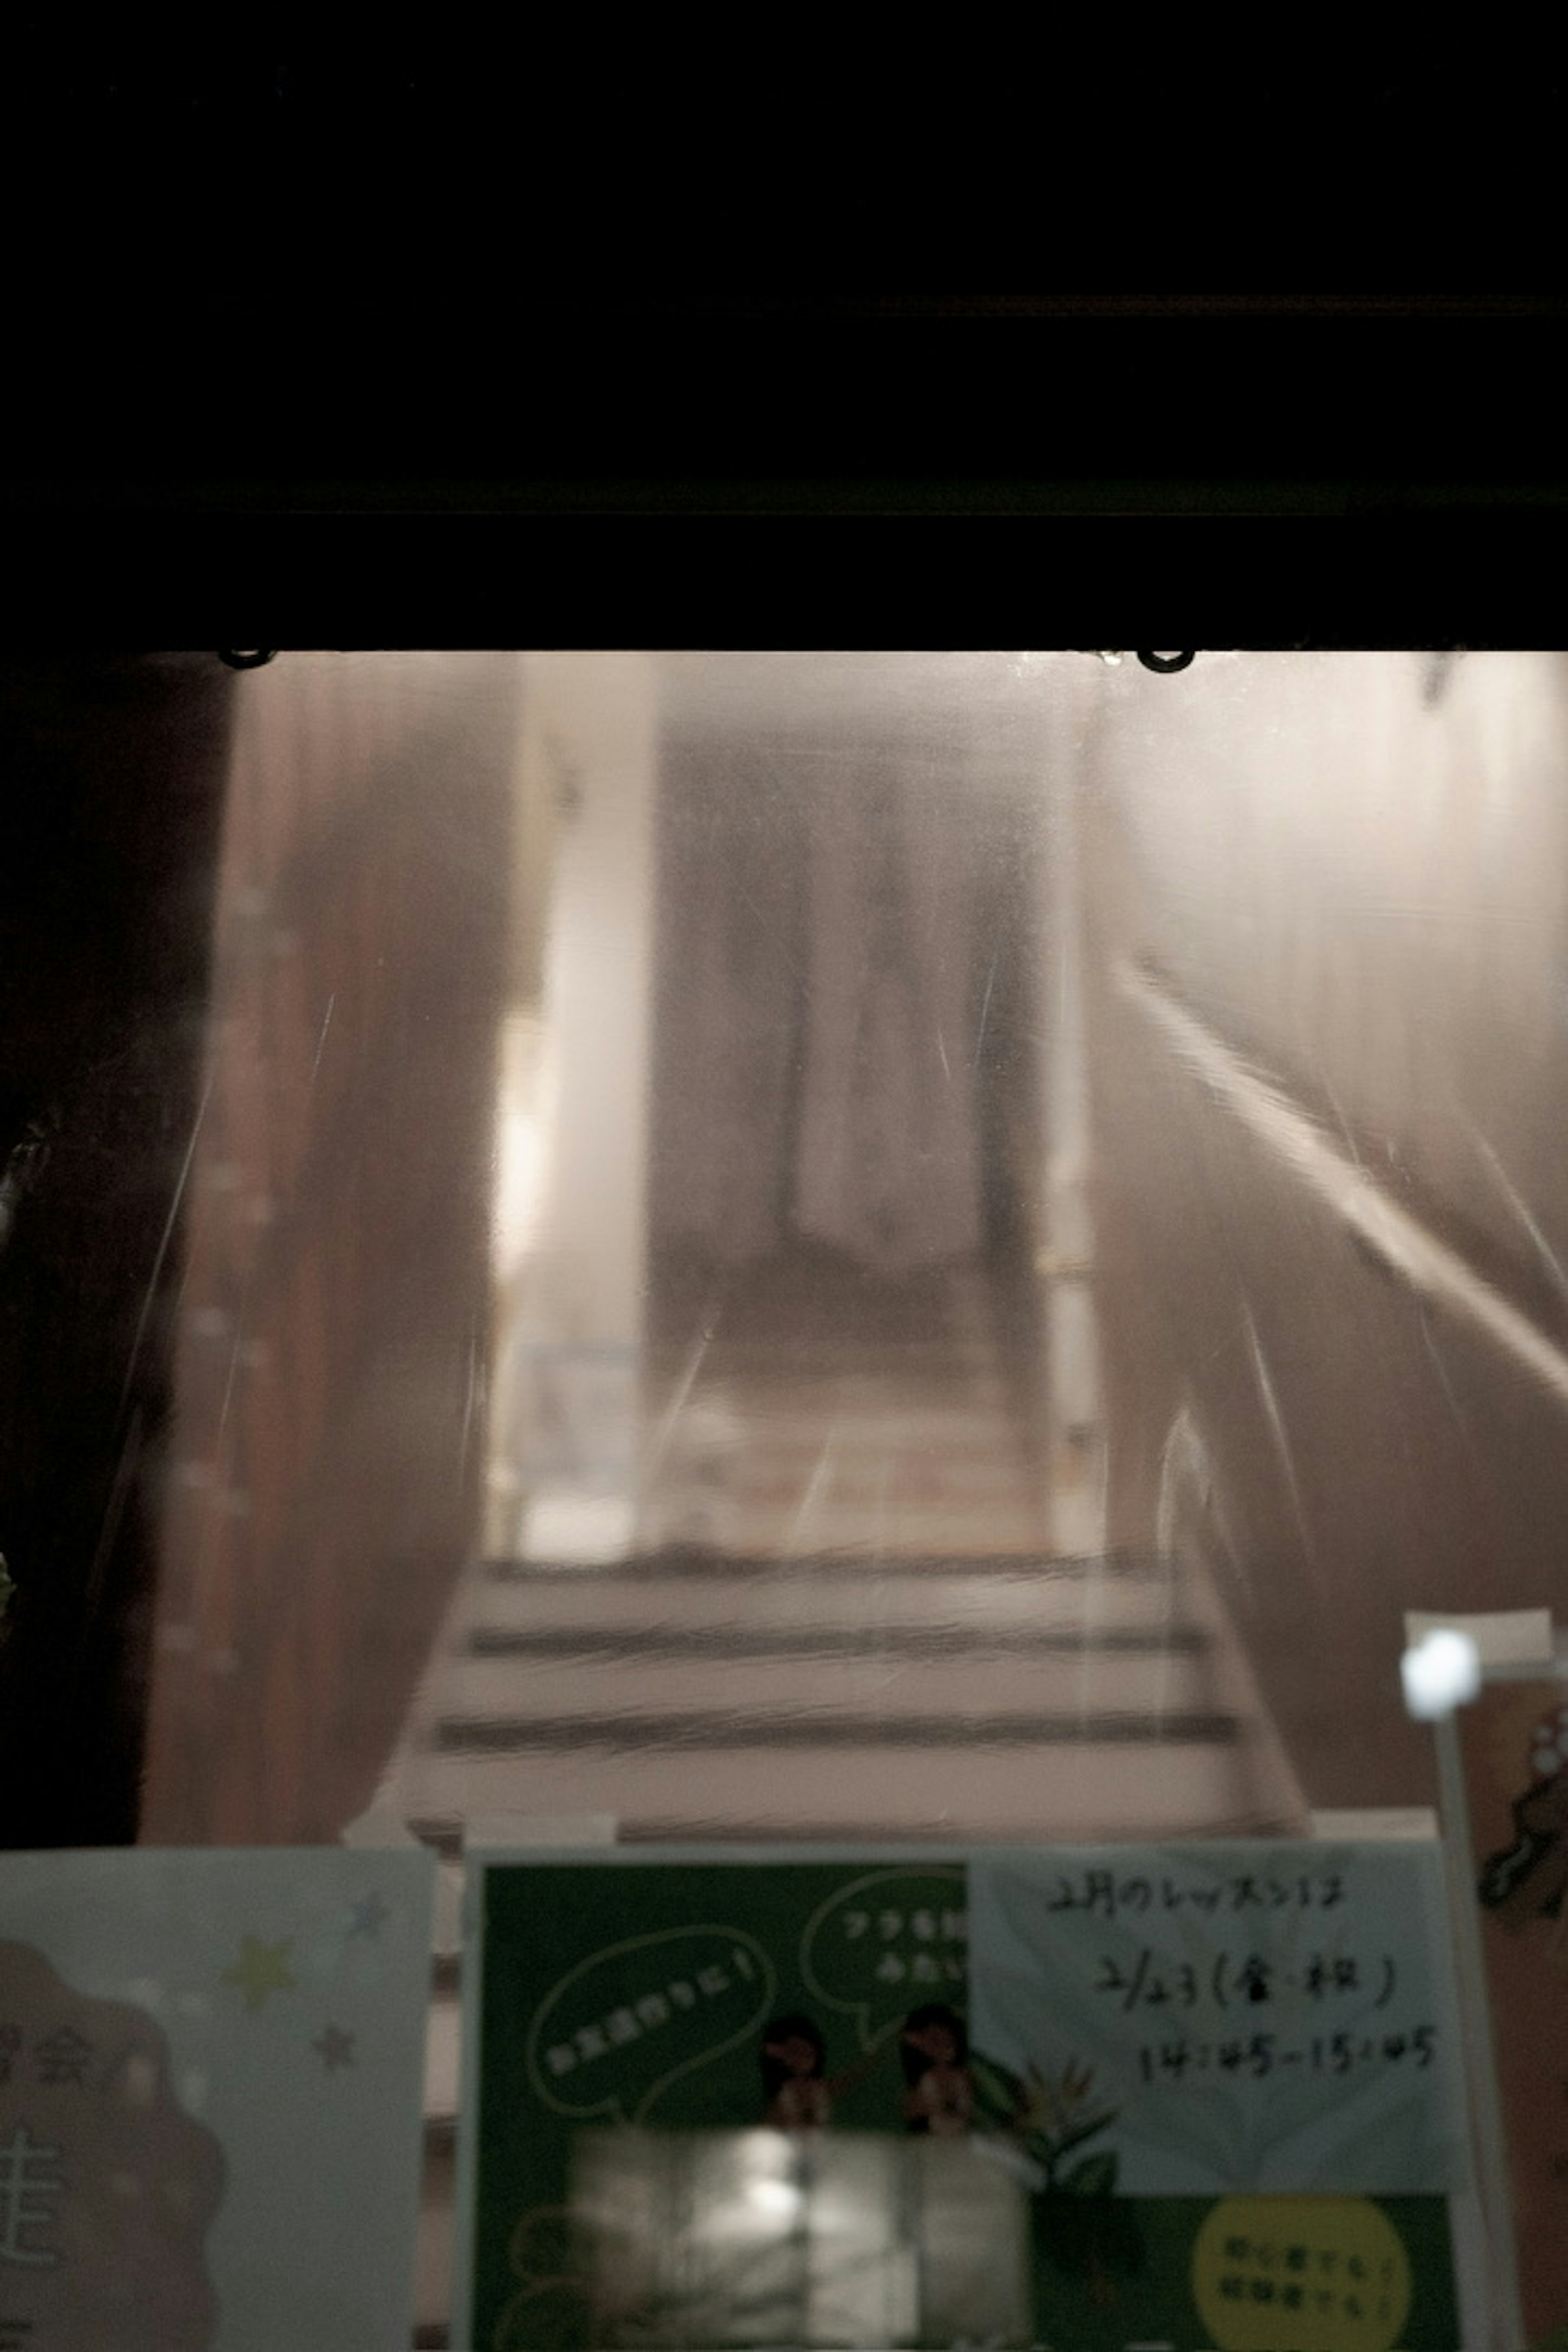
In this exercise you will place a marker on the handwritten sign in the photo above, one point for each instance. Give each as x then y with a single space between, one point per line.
211 2073
1260 2017
1198 2096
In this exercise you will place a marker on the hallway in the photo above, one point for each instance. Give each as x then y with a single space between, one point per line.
851 1107
639 1365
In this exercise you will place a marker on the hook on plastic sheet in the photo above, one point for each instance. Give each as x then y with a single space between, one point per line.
247 661
1167 664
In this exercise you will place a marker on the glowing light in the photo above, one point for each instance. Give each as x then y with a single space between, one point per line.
775 2201
1442 1671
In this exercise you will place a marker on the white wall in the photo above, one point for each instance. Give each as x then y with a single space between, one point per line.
571 1237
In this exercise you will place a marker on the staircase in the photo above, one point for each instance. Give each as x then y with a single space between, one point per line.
849 1629
694 1696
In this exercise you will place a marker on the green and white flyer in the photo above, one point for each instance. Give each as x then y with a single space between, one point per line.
1194 2098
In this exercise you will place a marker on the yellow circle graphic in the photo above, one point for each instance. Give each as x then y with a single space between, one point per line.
1300 2275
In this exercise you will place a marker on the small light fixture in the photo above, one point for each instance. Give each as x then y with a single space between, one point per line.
1441 1671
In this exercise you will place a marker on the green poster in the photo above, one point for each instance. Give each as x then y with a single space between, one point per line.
735 2102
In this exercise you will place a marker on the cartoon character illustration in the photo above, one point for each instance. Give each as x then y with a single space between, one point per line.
940 2097
794 2060
799 2092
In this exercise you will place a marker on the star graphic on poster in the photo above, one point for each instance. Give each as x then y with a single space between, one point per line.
335 2048
260 1968
371 1915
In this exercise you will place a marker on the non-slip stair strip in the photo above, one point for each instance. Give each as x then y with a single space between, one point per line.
874 1567
938 1642
816 1728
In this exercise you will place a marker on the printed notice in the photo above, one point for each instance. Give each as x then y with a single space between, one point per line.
211 2087
1014 2099
1254 2018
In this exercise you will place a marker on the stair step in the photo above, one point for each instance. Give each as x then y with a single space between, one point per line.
964 1609
1082 1789
972 1692
798 1432
911 1478
877 1525
835 1566
725 1729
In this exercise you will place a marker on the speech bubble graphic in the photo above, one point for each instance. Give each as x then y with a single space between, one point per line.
613 2036
889 1942
1301 2274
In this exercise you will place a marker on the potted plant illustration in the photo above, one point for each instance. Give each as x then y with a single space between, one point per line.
1087 2230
